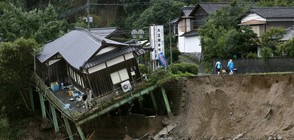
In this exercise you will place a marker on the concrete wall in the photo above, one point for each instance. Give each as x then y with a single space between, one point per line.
258 66
189 44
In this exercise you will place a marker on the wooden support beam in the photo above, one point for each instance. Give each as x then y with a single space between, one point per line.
42 102
166 101
32 99
54 117
80 132
141 103
117 104
67 127
154 101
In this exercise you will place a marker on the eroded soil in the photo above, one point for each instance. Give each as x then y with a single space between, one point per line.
238 106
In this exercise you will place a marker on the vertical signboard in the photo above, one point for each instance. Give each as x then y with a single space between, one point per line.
156 40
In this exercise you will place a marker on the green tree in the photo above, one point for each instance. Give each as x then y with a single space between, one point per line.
266 53
133 9
287 49
43 25
271 3
16 66
221 37
240 42
271 38
159 12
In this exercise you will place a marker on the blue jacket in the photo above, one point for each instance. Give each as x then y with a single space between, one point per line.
230 65
218 65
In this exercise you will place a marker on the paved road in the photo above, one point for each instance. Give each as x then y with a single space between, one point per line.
201 69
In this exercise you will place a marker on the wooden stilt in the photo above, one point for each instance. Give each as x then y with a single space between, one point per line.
67 127
32 99
116 105
141 103
43 108
54 117
154 101
165 101
80 132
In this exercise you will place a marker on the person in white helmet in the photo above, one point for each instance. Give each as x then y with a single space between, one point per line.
218 67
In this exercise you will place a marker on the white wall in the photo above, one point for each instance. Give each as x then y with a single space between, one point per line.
251 17
189 44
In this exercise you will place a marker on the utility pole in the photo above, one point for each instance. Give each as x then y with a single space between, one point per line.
170 44
88 12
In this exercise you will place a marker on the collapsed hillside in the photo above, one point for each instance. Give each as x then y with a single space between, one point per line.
237 106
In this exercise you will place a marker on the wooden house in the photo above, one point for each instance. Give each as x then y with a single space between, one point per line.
89 61
261 19
185 27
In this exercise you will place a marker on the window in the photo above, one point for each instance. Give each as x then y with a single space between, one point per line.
183 25
119 76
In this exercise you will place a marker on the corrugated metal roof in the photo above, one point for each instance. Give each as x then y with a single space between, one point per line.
103 32
274 12
76 47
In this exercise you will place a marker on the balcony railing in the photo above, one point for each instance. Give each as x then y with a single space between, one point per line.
101 104
49 95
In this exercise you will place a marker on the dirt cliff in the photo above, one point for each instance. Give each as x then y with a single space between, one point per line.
237 107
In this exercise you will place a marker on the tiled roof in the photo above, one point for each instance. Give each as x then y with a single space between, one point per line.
191 33
76 47
274 12
211 8
208 7
289 34
112 54
186 10
173 21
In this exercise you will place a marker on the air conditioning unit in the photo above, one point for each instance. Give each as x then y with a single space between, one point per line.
126 86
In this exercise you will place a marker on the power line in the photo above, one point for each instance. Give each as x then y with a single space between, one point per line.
88 5
119 4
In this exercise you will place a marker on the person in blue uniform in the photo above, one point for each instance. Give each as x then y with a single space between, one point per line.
231 66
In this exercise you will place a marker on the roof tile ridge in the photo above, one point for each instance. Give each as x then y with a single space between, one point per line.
214 3
96 38
274 7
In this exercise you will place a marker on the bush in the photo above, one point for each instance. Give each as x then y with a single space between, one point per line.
142 68
176 54
173 72
178 68
251 55
266 54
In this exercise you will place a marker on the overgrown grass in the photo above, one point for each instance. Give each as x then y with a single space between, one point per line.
12 130
172 73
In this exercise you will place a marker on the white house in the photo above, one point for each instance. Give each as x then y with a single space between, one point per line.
185 27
